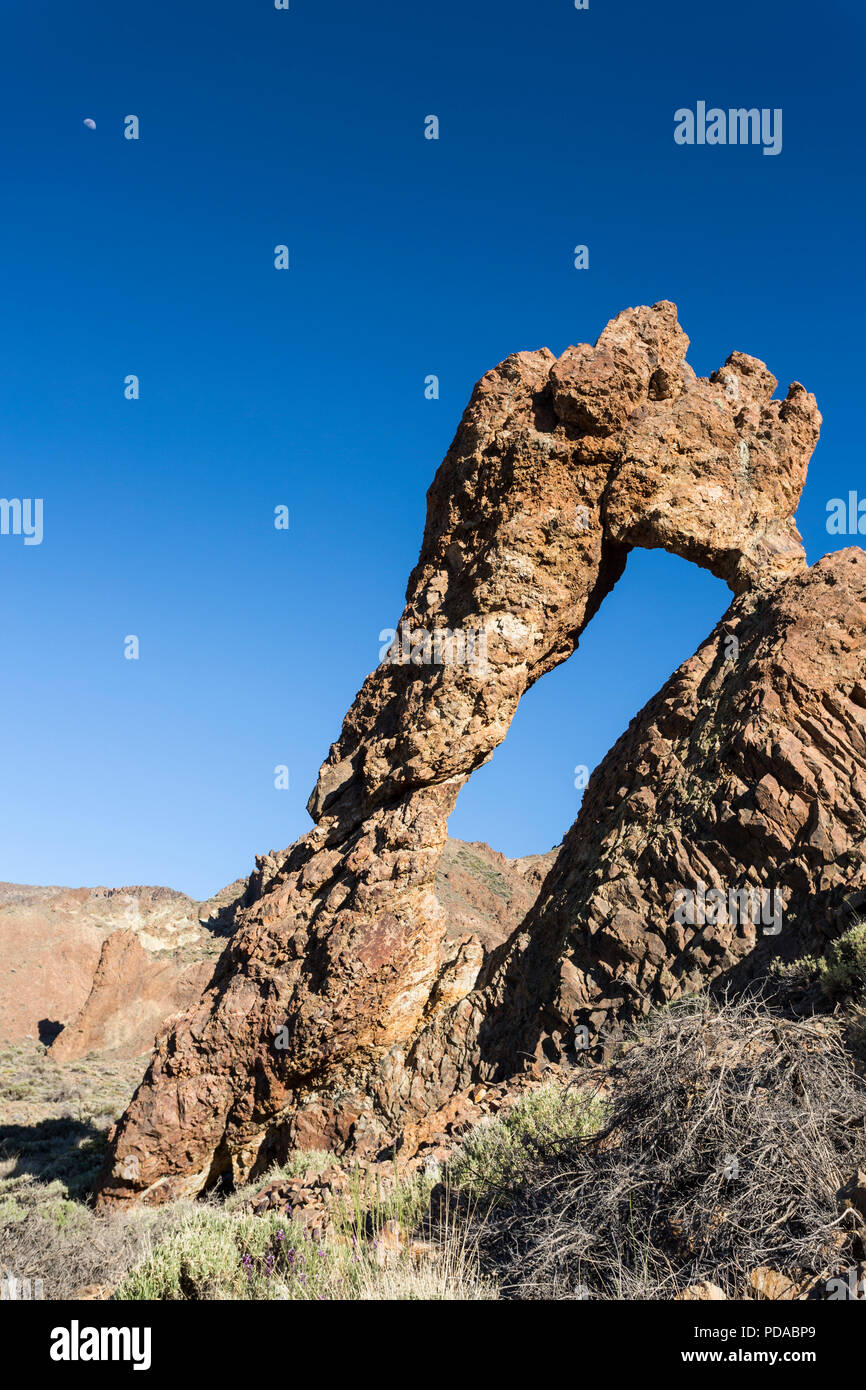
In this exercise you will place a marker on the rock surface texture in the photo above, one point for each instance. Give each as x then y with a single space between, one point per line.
340 1010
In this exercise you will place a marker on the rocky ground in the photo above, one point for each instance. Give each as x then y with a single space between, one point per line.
452 1209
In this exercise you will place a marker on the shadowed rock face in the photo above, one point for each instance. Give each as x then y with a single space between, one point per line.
746 771
558 468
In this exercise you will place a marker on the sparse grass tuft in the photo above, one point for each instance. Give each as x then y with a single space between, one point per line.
501 1151
211 1253
725 1136
56 1115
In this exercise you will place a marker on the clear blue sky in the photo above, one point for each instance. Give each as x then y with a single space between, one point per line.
258 387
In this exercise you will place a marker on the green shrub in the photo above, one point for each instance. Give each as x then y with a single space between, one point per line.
843 969
11 1210
797 972
210 1253
497 1155
198 1257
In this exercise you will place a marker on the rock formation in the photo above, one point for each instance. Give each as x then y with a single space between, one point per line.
133 992
746 772
325 1023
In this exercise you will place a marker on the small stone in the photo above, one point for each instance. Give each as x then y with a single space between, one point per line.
768 1283
705 1292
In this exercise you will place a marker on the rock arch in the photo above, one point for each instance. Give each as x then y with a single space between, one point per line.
559 467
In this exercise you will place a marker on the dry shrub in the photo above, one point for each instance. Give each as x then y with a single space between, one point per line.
728 1136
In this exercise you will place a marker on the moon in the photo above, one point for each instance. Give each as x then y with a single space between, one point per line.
91 124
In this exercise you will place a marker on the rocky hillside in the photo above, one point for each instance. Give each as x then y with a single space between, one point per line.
485 894
153 946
